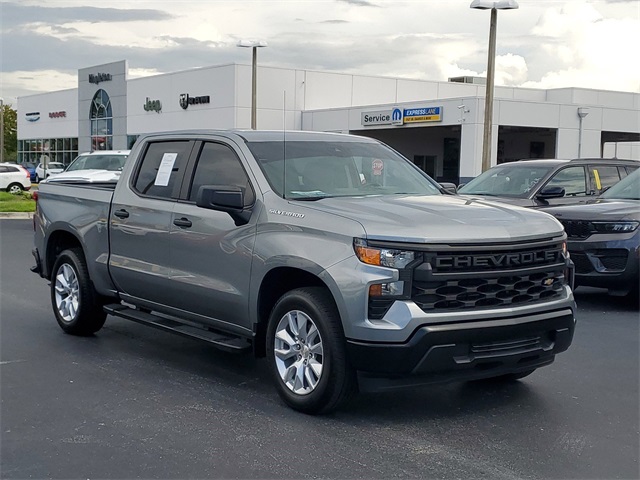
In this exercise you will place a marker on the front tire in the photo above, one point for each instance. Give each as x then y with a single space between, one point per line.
76 304
15 188
306 350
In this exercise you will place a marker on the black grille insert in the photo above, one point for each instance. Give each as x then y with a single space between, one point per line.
462 280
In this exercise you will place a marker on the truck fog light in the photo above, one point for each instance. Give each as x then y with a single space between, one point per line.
392 289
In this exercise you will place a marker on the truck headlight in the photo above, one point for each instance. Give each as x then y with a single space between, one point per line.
384 257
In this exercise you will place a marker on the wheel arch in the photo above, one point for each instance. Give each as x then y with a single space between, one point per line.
276 283
58 241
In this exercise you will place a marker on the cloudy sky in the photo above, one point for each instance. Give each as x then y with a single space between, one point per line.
543 44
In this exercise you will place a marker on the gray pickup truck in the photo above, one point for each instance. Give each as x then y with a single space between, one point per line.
331 255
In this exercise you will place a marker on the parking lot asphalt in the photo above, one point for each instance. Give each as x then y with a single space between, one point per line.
133 402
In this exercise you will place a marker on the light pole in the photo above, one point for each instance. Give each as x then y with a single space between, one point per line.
253 44
494 6
582 112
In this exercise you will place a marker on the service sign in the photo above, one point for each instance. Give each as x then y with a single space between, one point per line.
423 114
382 117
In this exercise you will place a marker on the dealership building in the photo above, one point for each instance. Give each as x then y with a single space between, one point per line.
437 125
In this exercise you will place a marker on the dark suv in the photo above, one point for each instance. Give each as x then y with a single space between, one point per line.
604 240
545 183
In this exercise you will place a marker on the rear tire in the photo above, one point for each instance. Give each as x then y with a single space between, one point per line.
15 188
76 304
306 350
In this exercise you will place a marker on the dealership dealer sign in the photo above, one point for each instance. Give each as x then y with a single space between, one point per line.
382 117
396 116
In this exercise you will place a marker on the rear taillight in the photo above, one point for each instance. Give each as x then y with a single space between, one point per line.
34 195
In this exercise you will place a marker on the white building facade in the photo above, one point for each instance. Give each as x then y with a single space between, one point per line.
437 125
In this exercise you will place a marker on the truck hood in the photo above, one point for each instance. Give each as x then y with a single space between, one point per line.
517 201
90 176
451 219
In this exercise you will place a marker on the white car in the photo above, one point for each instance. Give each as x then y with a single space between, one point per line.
14 178
98 166
51 169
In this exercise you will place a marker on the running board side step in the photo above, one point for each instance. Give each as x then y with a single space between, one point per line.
225 342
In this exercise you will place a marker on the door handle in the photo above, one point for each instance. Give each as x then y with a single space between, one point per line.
121 213
182 222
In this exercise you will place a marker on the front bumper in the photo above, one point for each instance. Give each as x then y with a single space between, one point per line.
607 261
463 351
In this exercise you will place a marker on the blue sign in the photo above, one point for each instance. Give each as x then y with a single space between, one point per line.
423 114
396 117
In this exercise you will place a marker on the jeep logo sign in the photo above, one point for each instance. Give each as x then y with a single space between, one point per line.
153 105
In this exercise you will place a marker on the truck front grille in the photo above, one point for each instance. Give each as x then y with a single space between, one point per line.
450 278
501 277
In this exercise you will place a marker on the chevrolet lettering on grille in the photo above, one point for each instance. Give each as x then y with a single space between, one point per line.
501 260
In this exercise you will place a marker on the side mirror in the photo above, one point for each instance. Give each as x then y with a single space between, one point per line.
224 198
449 187
550 192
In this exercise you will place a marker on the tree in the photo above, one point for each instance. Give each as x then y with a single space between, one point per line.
10 127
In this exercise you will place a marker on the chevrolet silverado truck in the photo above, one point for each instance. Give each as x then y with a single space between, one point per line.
331 255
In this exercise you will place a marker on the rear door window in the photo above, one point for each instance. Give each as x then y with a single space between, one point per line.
603 176
162 168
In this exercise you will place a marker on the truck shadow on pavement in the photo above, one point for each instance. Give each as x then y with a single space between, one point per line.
599 298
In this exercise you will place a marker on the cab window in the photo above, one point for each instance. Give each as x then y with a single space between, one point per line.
219 165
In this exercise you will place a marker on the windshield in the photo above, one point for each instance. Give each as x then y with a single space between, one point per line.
113 163
626 189
320 169
55 165
506 181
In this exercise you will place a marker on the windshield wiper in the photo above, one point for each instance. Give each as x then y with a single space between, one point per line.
310 199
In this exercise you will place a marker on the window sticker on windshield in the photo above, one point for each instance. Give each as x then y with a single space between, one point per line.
377 166
165 169
534 182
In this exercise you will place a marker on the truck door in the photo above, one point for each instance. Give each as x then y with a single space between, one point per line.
210 254
141 218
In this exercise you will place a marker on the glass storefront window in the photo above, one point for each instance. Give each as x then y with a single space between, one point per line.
101 121
47 149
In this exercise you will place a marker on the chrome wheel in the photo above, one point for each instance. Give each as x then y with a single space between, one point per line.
15 188
298 352
67 294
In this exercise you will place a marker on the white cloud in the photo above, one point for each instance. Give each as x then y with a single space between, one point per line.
592 51
543 44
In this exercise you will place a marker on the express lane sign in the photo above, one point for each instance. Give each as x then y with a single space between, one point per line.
422 114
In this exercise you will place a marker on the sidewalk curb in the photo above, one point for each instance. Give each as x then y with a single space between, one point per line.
16 215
